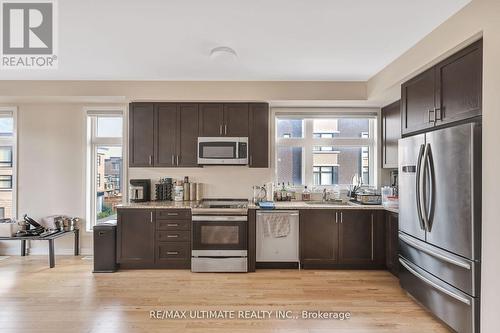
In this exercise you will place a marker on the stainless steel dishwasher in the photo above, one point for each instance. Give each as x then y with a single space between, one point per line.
277 249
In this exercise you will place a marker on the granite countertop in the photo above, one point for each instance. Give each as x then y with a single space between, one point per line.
278 205
305 205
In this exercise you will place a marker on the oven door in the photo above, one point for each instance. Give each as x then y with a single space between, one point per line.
220 151
219 236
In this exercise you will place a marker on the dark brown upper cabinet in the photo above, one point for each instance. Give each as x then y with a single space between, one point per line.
176 135
141 134
136 236
417 96
258 135
318 238
188 125
448 92
166 131
166 134
236 119
391 133
459 85
361 238
228 119
211 119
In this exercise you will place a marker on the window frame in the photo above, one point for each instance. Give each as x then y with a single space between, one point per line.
93 142
12 141
307 142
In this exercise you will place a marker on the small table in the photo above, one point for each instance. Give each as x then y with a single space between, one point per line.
50 238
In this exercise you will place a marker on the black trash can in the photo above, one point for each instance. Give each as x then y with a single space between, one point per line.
105 247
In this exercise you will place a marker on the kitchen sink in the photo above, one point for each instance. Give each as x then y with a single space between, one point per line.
326 203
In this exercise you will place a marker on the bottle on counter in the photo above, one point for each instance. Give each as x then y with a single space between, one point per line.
179 191
306 194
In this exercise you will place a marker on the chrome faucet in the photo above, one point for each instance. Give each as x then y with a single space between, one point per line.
325 195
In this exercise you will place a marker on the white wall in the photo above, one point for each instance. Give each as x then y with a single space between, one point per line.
479 17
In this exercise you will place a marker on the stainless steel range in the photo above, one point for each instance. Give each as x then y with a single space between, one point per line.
220 236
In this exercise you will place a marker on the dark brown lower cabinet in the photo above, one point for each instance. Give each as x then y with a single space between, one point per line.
342 238
392 241
318 238
135 237
149 238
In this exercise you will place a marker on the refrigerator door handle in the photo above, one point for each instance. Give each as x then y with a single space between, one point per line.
417 187
429 167
422 189
440 256
433 284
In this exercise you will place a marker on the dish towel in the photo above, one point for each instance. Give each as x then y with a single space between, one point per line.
276 225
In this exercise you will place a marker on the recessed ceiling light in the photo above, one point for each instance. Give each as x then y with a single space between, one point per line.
223 52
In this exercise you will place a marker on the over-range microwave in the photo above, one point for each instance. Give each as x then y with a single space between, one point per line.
222 150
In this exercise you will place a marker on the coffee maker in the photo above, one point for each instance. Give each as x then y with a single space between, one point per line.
140 190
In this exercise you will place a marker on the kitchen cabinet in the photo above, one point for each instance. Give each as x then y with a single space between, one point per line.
211 119
236 119
150 238
166 131
318 238
417 97
187 144
258 135
173 238
447 92
361 237
141 134
228 119
392 242
459 85
176 135
136 237
391 133
166 134
341 238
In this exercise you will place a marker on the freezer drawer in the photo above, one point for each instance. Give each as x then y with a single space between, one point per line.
457 309
459 272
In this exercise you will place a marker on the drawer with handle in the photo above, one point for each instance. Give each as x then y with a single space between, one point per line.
173 225
174 251
173 214
173 236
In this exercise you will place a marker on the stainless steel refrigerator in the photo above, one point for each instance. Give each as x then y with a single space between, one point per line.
440 222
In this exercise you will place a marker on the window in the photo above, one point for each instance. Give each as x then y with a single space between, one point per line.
6 157
8 162
104 160
321 150
5 182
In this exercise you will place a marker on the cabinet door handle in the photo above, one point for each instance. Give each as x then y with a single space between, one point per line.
172 224
173 162
433 118
438 114
172 253
341 218
151 217
225 129
150 159
220 129
177 159
172 214
336 217
172 236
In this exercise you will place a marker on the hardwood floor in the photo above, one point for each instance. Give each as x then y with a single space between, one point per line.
70 298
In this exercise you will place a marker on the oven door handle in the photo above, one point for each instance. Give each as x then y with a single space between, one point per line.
219 218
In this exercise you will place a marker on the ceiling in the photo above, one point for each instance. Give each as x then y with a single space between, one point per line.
333 40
